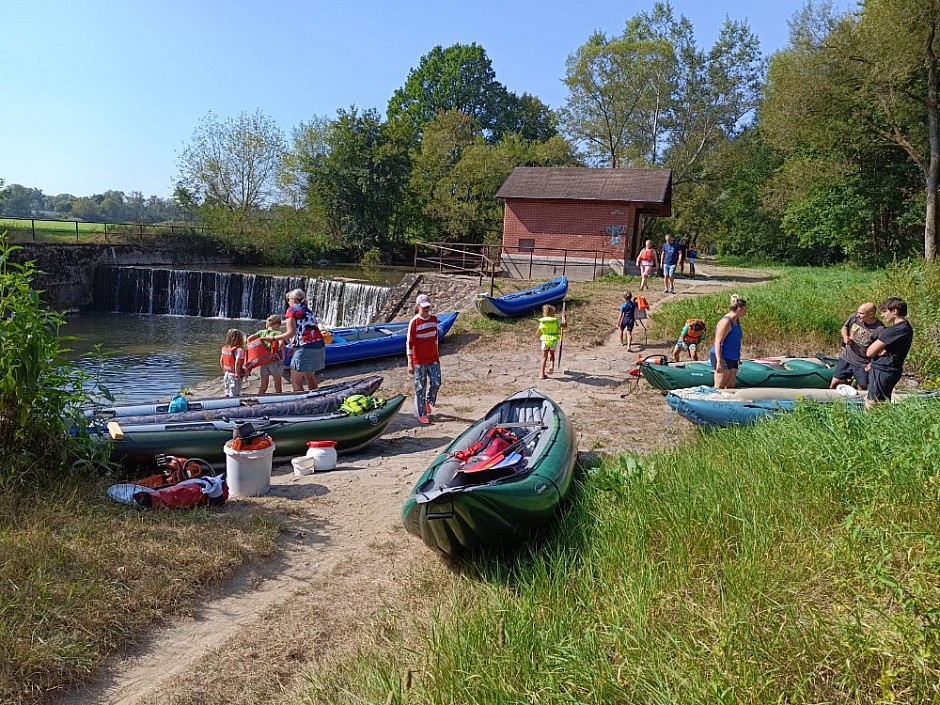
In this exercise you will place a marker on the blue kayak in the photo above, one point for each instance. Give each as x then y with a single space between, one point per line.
377 340
521 302
715 408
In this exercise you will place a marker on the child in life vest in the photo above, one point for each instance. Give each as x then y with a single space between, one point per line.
549 333
266 355
691 337
233 362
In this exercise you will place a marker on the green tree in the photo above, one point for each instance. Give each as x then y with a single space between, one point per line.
651 97
839 161
459 77
356 171
232 165
20 201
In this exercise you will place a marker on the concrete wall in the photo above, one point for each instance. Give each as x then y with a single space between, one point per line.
68 271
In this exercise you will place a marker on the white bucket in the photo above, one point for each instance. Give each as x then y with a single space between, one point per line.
248 472
304 465
324 452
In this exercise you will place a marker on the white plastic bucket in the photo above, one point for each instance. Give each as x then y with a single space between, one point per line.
248 472
304 465
324 452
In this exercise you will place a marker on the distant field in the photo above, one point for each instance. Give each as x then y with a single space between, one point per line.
21 230
12 224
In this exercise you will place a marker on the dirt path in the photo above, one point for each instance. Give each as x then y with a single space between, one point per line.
344 549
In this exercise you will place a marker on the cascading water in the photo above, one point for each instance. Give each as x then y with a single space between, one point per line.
231 294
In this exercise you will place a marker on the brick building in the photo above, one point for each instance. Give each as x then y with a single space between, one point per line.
559 216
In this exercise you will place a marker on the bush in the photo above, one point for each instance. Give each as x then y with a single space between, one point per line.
40 393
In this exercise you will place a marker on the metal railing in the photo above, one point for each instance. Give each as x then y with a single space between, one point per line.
64 229
484 260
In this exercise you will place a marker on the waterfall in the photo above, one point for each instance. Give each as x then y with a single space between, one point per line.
231 294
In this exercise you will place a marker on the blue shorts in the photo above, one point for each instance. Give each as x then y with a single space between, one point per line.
729 364
846 371
669 270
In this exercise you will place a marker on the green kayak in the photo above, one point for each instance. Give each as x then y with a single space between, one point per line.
790 372
205 439
484 492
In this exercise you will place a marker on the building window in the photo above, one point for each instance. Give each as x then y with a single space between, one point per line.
526 244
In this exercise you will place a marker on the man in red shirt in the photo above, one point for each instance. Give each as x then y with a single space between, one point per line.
424 362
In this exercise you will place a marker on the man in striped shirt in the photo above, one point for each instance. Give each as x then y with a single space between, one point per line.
424 362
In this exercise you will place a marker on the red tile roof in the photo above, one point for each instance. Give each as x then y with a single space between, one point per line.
653 186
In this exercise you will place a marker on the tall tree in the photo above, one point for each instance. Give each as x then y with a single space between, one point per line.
651 97
232 165
357 173
831 114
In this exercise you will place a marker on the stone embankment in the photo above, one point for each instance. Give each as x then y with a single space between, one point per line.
448 292
67 277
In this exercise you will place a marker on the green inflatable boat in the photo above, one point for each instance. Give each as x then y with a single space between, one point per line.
790 372
138 445
500 479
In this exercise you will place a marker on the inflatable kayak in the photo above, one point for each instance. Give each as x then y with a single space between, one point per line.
789 372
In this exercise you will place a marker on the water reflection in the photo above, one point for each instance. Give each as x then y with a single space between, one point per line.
151 356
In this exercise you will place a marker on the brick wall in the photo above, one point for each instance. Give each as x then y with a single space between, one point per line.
568 224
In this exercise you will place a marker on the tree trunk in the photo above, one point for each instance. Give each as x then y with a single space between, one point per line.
933 134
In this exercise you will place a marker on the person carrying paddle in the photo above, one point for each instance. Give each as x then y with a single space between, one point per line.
549 333
424 360
725 355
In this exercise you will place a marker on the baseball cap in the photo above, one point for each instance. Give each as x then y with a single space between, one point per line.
423 300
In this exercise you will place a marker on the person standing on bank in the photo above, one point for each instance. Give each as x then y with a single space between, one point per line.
670 258
858 333
725 357
888 351
303 330
424 360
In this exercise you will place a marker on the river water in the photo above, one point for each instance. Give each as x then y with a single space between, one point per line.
152 357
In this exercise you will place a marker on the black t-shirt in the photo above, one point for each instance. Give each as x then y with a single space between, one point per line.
897 339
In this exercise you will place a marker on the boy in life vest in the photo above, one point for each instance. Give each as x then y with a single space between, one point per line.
233 362
549 334
265 355
691 337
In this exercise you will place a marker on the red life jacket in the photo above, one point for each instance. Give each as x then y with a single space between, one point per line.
228 359
259 355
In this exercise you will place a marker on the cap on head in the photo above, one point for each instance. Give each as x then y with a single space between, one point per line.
423 301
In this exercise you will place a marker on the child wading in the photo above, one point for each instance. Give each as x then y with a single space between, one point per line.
424 361
267 355
233 362
549 334
627 319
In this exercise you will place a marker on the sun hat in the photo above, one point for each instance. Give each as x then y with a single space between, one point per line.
423 300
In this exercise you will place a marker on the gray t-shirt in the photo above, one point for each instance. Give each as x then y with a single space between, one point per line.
861 335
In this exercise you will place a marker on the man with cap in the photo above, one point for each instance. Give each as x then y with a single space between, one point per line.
424 362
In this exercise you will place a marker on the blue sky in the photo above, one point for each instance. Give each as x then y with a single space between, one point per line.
104 94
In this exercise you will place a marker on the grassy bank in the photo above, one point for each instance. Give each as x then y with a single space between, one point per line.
739 569
800 312
83 576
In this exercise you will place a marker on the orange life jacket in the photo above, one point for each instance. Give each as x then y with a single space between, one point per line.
642 303
258 354
691 336
228 359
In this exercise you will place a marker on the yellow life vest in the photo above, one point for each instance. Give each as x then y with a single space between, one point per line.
549 330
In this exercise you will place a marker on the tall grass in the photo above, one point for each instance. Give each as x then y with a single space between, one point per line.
798 313
737 569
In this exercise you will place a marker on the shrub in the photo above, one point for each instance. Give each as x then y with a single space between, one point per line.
40 392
